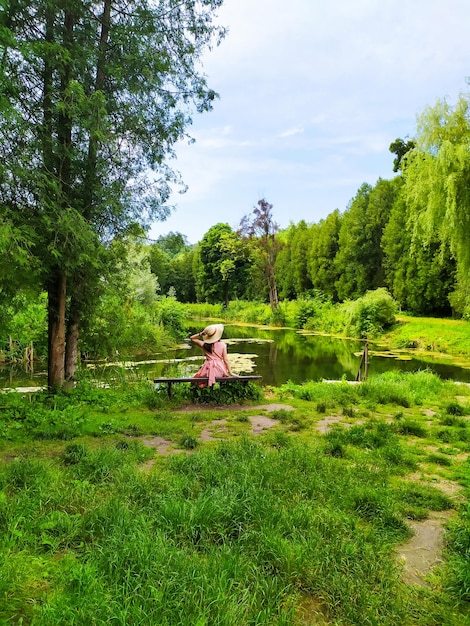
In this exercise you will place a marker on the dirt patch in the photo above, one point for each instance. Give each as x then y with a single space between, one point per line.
449 487
195 408
260 423
423 551
218 426
161 445
324 425
311 611
272 407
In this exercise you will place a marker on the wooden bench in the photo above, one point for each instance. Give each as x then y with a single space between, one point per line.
196 381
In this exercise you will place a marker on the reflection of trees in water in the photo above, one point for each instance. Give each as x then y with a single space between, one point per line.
288 355
316 346
273 351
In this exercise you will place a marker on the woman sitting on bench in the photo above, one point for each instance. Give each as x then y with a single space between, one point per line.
216 364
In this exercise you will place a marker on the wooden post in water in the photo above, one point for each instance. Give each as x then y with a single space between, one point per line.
364 364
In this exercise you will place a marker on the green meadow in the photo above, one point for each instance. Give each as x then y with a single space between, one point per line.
288 506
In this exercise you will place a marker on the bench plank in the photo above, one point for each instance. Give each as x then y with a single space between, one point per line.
195 381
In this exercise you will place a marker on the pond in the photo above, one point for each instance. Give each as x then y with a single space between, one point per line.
279 355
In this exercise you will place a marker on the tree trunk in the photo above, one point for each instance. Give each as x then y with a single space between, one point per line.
273 297
71 347
56 331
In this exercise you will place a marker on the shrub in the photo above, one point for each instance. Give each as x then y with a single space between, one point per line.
172 314
370 315
226 393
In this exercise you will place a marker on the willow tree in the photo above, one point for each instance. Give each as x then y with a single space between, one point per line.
437 184
94 96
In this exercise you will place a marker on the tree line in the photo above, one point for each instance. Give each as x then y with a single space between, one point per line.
408 234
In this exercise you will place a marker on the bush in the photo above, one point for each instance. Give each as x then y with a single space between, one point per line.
26 323
172 314
370 315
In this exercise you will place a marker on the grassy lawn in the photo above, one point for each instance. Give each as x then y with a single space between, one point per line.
117 507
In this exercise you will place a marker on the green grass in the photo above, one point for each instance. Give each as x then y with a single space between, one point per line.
244 530
430 334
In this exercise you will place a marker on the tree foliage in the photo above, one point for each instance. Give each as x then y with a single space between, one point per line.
359 258
261 229
322 250
222 265
437 180
400 148
95 95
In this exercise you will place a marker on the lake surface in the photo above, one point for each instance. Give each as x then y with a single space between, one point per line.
279 355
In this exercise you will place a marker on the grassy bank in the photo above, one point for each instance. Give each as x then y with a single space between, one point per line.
117 507
430 334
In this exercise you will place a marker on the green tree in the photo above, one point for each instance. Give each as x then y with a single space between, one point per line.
323 248
173 243
420 277
283 269
261 230
160 266
437 183
181 276
95 96
300 245
292 275
222 265
400 148
359 259
170 260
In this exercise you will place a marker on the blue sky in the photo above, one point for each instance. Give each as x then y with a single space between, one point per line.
312 93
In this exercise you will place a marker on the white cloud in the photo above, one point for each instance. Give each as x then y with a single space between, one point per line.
290 132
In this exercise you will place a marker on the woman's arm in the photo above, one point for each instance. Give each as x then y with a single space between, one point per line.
198 342
226 361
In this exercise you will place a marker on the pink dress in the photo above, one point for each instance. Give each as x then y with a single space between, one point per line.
214 366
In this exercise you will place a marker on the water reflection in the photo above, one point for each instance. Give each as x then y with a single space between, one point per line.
278 355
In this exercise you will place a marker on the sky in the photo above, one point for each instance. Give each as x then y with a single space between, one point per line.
312 93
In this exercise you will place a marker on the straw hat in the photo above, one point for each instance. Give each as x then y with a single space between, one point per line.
212 333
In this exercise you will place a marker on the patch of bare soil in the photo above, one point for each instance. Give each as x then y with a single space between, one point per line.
311 612
271 407
194 408
260 423
423 551
449 487
324 425
161 445
218 426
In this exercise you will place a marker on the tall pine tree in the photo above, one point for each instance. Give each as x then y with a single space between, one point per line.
95 95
